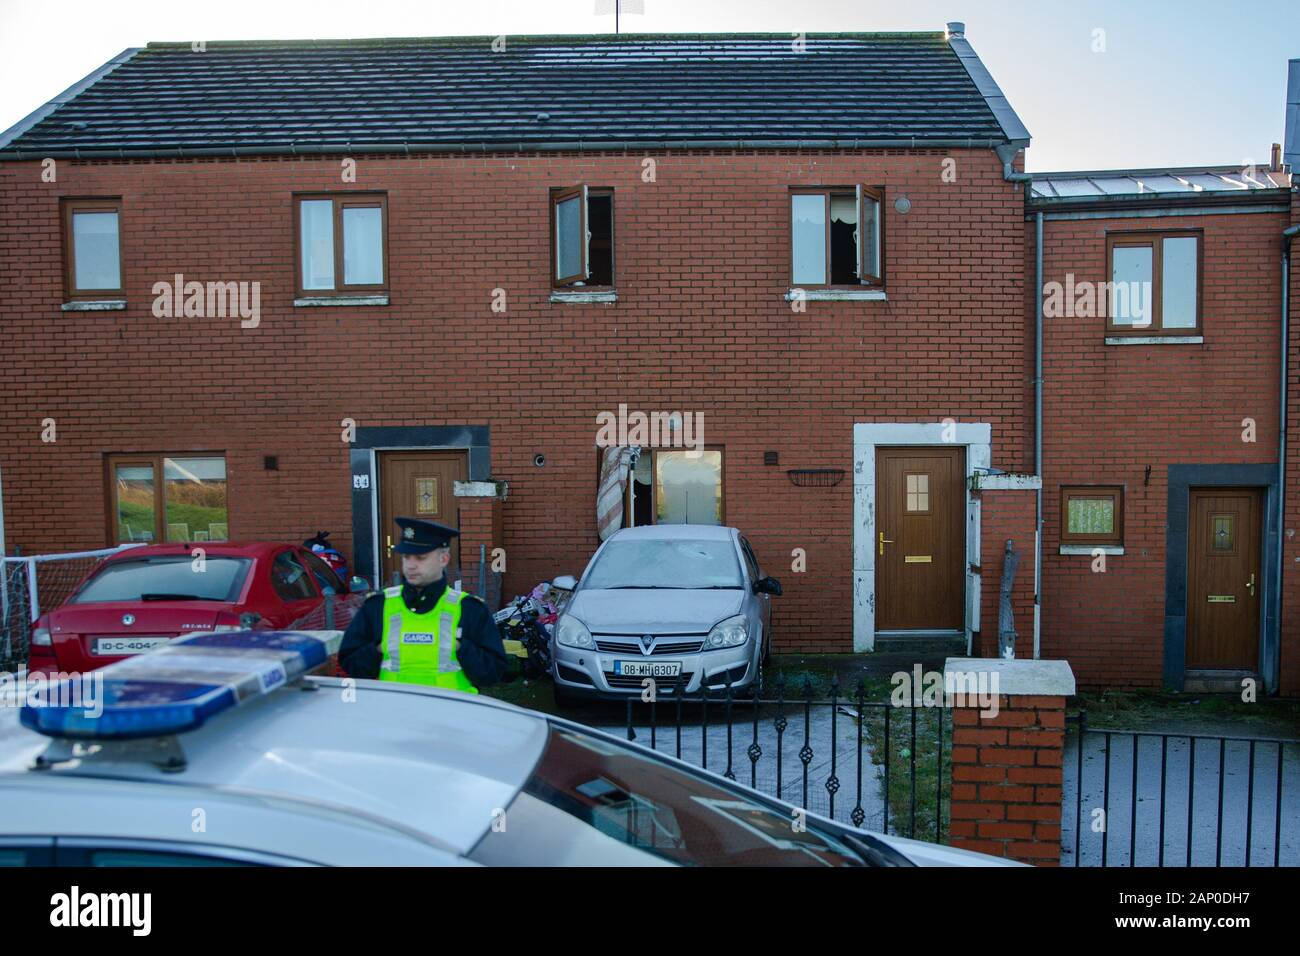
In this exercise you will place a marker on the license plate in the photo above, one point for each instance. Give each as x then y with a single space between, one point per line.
119 646
645 669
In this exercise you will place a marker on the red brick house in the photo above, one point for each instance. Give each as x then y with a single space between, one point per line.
259 289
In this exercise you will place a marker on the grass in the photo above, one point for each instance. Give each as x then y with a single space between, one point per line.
1142 710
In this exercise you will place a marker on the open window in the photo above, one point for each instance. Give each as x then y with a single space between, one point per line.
582 238
1154 283
836 237
674 486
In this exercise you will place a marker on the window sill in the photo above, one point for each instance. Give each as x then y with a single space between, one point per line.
1090 548
94 305
836 295
567 295
339 300
1155 339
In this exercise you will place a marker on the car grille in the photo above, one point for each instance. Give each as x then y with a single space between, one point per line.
663 647
663 685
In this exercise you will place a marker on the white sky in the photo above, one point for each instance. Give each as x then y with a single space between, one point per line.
1180 82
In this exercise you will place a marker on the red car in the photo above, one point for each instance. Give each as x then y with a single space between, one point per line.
143 597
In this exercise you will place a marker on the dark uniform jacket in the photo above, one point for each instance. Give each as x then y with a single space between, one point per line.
481 654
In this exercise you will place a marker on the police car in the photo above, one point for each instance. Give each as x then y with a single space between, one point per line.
224 749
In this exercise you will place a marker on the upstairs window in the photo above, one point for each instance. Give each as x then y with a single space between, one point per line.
1155 283
342 247
92 248
582 238
836 238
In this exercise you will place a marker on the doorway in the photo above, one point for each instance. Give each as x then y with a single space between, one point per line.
920 539
417 484
1224 578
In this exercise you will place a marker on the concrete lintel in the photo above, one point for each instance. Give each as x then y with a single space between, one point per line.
1020 677
480 489
1007 482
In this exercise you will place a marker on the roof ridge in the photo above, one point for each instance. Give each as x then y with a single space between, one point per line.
536 37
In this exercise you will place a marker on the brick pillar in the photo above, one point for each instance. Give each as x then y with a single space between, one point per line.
478 504
1006 766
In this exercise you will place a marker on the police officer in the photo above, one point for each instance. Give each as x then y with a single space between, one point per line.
424 632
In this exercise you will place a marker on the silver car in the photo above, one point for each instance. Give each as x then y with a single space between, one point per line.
683 606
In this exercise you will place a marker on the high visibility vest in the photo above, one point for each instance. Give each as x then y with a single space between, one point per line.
421 648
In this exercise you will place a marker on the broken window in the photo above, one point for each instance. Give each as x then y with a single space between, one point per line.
582 237
835 237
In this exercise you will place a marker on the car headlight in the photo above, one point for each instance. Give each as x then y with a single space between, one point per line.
729 633
573 633
41 637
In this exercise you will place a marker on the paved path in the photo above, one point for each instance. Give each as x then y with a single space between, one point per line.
1208 838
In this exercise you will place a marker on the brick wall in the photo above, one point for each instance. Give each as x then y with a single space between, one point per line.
1006 514
701 325
1007 779
1112 411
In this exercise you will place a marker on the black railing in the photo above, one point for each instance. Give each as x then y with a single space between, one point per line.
802 765
1179 799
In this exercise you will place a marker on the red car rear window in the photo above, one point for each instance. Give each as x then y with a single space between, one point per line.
166 579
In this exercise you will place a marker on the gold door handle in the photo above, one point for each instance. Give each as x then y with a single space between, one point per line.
389 539
1250 585
884 541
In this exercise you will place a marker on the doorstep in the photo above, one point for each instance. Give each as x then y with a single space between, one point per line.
940 643
1224 681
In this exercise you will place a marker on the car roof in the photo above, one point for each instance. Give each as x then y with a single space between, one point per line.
211 549
375 748
683 532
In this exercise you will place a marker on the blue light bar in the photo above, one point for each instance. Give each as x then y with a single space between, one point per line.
178 686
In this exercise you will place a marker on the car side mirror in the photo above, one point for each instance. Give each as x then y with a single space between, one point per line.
565 582
767 586
358 585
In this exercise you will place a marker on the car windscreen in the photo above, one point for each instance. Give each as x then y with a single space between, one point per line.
666 563
638 800
179 578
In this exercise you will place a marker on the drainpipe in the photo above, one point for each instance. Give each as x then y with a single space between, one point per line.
1038 425
1287 235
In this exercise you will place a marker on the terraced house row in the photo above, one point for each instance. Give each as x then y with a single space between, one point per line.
267 288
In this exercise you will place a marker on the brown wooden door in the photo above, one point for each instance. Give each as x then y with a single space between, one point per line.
417 484
1224 571
920 539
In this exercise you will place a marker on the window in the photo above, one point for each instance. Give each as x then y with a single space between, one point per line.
582 237
290 579
835 237
341 241
155 498
1155 283
918 492
1092 515
220 579
674 486
326 577
92 248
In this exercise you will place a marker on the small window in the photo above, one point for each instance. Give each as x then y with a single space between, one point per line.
582 238
1154 283
92 248
342 245
835 237
290 579
157 498
918 492
1092 515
